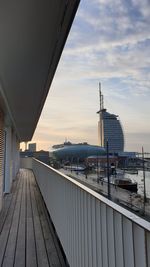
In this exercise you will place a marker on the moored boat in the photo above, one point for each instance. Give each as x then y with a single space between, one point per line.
122 182
126 183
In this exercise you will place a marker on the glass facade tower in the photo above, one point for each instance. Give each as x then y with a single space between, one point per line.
109 128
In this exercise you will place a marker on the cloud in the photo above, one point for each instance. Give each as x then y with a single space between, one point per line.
110 39
57 134
135 141
143 7
109 42
112 23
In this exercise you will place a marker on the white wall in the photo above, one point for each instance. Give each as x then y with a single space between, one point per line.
12 158
26 163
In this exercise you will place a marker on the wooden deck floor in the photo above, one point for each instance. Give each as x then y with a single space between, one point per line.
27 237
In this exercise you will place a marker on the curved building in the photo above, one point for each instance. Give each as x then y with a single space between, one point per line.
109 128
77 151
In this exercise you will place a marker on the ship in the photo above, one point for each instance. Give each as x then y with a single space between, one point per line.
126 183
123 182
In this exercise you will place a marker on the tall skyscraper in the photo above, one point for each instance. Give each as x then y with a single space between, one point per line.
109 128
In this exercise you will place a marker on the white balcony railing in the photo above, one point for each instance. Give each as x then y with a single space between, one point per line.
93 231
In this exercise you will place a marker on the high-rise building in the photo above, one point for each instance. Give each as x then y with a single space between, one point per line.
109 128
32 147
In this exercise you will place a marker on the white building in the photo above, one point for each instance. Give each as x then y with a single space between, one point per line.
109 129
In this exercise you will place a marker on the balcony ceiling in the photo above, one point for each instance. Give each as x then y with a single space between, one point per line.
32 37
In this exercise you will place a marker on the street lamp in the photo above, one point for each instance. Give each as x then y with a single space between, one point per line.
144 178
108 177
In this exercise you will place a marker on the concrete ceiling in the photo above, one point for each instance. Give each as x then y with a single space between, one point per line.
32 37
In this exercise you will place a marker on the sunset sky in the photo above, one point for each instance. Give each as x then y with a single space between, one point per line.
109 43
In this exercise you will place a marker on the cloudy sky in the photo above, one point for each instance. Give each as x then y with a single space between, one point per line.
109 43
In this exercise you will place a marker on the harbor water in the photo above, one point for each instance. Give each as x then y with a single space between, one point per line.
139 179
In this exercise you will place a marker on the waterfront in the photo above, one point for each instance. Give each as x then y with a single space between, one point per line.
139 179
136 177
130 200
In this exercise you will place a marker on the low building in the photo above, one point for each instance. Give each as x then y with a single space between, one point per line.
75 152
101 161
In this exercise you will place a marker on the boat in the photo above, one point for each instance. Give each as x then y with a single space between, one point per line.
74 168
126 183
122 182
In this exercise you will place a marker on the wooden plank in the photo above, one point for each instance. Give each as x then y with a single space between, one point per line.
27 236
4 212
6 204
31 257
11 243
6 227
40 245
21 244
55 258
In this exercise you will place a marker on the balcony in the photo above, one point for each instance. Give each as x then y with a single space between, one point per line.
92 230
27 237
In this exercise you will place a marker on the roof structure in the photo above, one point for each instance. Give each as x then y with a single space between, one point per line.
32 38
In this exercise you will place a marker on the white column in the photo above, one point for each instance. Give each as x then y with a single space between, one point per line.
15 155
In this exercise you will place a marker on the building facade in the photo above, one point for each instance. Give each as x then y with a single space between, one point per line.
32 147
75 152
109 129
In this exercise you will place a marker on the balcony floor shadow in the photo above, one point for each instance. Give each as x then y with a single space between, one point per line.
27 237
